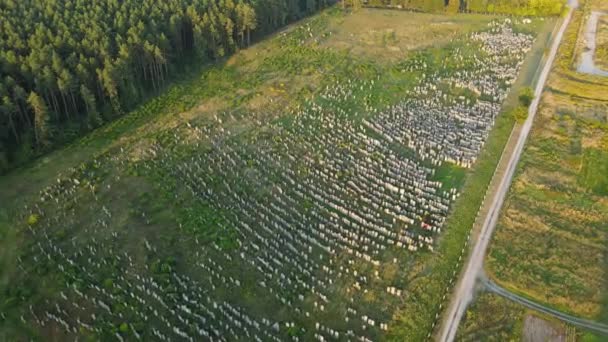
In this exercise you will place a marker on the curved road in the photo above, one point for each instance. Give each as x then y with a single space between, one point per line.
580 322
464 288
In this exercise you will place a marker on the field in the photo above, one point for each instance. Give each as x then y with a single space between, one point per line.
511 322
295 190
380 33
551 240
601 54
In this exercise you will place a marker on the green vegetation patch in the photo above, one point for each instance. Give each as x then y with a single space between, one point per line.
594 170
452 176
492 318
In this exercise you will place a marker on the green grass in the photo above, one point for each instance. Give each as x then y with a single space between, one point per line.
390 35
590 337
451 175
594 170
548 218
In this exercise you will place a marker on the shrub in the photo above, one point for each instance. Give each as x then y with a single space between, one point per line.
526 95
32 219
520 114
108 283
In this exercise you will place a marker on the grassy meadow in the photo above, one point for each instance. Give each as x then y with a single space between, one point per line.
381 33
123 202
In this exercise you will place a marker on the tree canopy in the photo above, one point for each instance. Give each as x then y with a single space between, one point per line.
516 7
69 65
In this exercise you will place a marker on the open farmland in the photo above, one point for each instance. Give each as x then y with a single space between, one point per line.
295 191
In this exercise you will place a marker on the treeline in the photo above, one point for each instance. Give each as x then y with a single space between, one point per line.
68 66
511 7
517 7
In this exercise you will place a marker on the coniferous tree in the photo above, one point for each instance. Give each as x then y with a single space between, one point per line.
93 117
249 21
8 109
453 6
40 119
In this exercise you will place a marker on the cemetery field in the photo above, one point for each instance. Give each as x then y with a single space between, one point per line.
551 241
296 191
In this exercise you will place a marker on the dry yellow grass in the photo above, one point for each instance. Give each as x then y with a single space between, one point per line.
600 5
390 34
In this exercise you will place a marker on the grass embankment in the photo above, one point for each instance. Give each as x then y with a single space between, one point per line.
551 242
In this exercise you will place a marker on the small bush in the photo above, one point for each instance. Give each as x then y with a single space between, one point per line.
520 114
526 95
32 219
108 283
